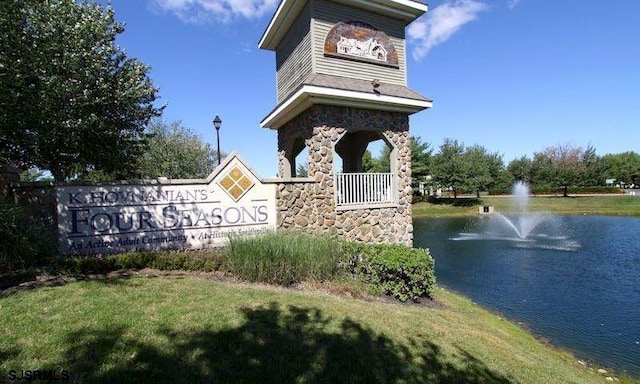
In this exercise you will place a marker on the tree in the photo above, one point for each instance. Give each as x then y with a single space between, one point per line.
449 167
175 152
302 170
593 168
420 158
368 162
562 165
383 162
624 167
482 170
71 101
33 175
542 170
520 169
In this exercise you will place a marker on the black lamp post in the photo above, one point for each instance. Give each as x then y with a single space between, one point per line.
217 122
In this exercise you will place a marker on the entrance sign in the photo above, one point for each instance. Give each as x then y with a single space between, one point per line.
171 214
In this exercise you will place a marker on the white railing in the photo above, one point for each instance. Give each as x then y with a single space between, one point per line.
364 188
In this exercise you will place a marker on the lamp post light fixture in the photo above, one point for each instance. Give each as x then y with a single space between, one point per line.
217 122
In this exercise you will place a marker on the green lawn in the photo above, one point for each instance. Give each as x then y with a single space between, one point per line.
183 329
578 205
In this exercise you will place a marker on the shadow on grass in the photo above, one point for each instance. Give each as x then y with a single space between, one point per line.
7 354
31 282
273 345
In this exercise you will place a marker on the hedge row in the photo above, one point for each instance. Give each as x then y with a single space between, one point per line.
205 261
560 191
286 258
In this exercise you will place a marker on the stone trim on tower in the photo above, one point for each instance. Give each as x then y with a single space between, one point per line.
311 205
351 90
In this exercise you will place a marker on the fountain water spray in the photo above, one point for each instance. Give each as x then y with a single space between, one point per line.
521 228
520 197
524 222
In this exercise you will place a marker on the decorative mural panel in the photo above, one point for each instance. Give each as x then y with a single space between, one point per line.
357 40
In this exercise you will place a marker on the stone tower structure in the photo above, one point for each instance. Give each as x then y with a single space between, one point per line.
341 84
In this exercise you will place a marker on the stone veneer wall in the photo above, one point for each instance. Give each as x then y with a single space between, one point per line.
311 205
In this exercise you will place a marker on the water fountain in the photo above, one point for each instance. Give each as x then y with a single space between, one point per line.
571 278
524 222
521 228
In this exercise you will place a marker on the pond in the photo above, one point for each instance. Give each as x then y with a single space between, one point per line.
575 280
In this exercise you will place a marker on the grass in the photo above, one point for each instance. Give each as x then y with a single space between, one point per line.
577 205
187 329
284 257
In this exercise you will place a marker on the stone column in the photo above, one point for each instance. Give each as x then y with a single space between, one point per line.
312 207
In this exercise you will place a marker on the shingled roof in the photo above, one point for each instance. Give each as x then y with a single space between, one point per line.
337 90
349 84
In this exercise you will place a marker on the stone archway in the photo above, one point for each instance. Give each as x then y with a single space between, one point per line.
290 147
352 146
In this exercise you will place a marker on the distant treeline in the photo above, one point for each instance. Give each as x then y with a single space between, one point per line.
564 168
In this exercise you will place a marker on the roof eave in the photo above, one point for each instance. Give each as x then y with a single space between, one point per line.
280 23
288 10
309 95
407 10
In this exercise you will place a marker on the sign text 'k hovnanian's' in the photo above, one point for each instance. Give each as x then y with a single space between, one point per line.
177 214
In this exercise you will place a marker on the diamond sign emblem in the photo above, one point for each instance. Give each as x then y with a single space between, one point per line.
236 183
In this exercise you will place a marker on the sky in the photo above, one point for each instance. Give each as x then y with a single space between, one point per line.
514 76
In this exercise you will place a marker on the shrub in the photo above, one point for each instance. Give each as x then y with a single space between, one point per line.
168 261
86 264
595 190
405 273
134 260
24 241
284 257
205 261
